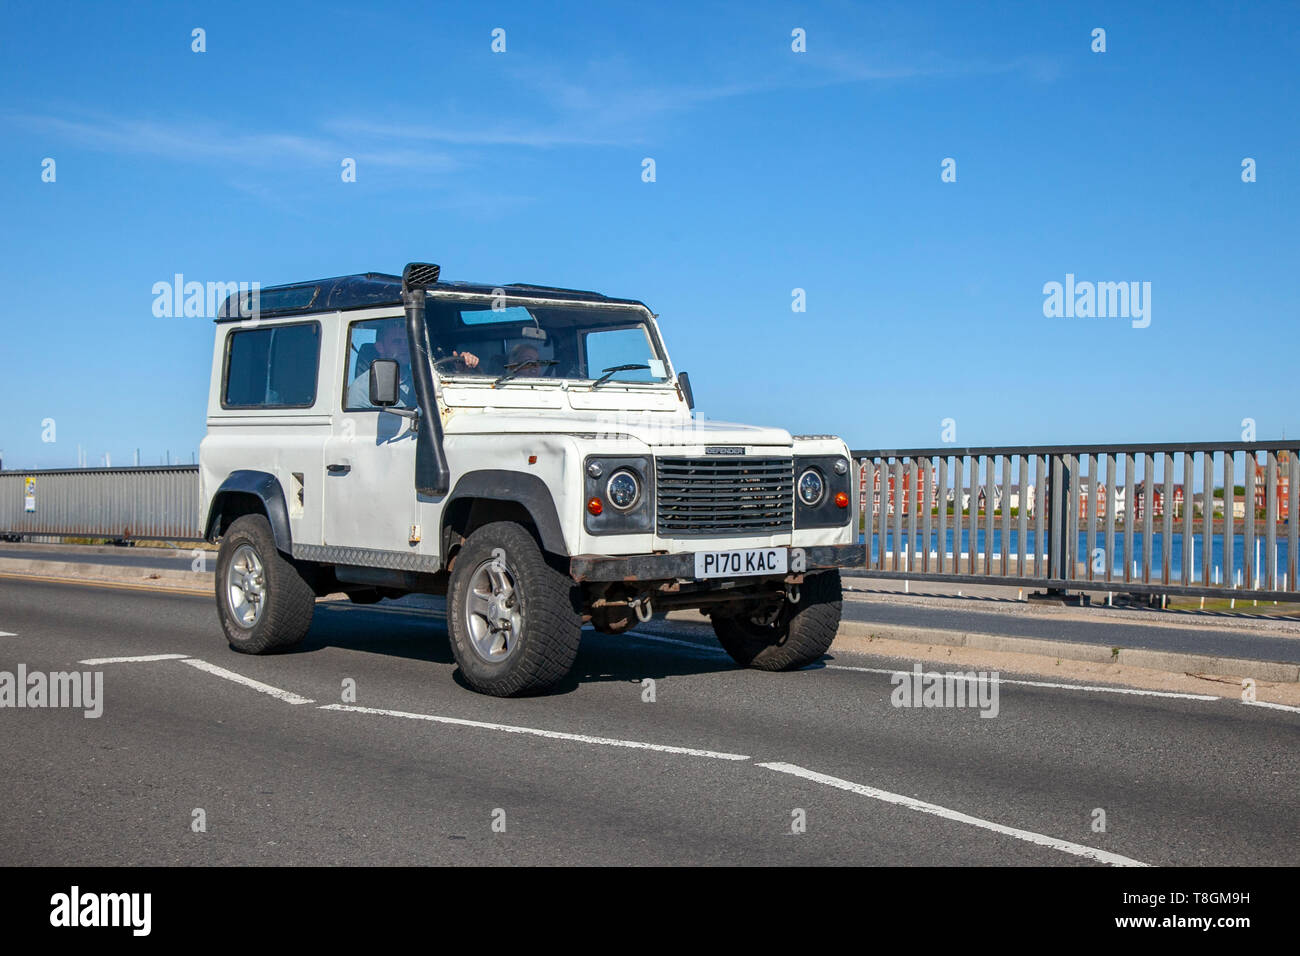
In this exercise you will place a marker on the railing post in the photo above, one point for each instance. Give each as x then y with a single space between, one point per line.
942 497
1058 492
1229 505
972 523
1292 519
866 474
927 503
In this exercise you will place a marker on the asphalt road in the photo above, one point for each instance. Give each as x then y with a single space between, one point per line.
1101 627
423 777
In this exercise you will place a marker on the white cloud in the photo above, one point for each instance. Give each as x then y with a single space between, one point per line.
193 141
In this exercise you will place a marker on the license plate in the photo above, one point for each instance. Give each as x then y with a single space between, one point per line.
741 563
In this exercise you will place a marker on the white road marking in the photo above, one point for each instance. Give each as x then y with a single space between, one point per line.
553 734
1096 688
134 660
7 634
704 648
1087 852
284 695
1272 706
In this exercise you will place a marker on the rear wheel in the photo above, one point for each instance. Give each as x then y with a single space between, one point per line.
514 620
264 602
788 636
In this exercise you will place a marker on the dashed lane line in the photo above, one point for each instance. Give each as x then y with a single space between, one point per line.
1065 846
910 803
144 659
287 696
537 732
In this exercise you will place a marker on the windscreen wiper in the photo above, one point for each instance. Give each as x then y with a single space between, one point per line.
515 368
610 371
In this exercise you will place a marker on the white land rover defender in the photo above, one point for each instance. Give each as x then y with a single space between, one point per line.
529 452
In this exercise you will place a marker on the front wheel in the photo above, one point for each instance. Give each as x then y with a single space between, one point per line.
790 636
514 620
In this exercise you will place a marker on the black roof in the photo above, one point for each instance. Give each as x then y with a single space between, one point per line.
370 289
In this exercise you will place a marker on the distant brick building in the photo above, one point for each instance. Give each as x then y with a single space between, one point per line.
1283 485
917 499
1139 499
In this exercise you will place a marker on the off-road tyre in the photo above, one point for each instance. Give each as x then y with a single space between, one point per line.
799 635
540 650
288 599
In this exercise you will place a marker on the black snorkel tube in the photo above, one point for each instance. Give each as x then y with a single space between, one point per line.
432 476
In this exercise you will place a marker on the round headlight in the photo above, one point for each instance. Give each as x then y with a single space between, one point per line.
623 490
811 487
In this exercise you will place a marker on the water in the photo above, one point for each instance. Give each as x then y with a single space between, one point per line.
1119 559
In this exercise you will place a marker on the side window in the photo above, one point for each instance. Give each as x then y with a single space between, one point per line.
272 367
367 341
607 348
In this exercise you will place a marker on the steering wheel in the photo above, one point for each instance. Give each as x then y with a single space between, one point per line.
445 359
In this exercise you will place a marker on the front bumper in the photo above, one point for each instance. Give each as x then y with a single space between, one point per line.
667 567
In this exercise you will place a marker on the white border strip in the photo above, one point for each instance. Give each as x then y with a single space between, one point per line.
1095 688
134 660
552 734
284 695
1091 688
1271 706
1087 852
677 642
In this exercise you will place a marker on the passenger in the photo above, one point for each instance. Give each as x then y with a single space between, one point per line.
524 360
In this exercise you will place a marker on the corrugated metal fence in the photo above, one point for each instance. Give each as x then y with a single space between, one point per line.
160 502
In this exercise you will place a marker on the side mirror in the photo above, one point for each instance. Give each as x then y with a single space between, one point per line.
384 380
683 386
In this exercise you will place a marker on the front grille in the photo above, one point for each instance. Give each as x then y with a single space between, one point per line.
697 496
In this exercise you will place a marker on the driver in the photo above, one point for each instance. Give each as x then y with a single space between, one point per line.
391 343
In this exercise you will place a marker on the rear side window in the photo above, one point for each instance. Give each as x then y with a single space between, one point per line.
273 367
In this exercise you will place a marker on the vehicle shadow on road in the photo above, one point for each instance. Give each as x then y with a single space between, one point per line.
421 635
378 629
605 658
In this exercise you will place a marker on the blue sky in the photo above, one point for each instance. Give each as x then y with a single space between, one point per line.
775 170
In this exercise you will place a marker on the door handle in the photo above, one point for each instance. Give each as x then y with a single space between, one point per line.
339 468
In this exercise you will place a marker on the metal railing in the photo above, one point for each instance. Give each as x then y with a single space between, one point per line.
121 504
1088 517
1075 517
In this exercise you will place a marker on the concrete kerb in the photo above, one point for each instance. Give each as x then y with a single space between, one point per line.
1171 661
198 582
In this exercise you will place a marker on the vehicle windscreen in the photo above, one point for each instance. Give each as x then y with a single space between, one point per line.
521 344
